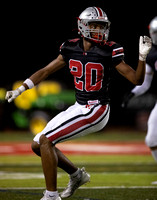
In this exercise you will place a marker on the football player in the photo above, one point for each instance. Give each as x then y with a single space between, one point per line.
151 72
90 59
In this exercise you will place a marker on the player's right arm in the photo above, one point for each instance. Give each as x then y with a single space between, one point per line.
37 77
52 67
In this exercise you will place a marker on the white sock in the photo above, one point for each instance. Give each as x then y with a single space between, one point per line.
51 193
154 154
75 173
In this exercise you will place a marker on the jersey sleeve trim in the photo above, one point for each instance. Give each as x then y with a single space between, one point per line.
118 52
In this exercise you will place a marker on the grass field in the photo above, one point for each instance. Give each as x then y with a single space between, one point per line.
113 177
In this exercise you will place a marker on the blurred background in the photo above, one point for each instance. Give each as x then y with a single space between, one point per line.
31 34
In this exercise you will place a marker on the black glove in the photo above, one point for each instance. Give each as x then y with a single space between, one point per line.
126 99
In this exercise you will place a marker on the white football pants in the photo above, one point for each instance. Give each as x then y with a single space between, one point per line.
151 137
76 121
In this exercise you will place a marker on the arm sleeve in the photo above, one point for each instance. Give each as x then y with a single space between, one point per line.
139 90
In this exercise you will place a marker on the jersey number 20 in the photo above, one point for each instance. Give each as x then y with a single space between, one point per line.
92 72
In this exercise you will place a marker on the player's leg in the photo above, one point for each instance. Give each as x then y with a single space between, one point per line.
63 162
75 122
76 180
51 157
49 163
151 137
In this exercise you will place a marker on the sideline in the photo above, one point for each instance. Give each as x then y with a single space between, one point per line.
101 148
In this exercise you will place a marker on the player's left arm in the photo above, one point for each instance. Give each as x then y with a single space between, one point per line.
136 76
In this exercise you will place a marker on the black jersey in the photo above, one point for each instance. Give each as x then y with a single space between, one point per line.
91 69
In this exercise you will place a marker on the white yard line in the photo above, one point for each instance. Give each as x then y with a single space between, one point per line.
22 175
82 188
30 175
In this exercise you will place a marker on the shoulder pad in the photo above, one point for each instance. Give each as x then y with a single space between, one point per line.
69 43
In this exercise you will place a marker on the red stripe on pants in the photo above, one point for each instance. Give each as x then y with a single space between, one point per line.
78 124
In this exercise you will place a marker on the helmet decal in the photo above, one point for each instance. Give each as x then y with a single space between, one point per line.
99 11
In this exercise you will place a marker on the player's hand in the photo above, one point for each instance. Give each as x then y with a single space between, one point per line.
11 95
126 99
145 44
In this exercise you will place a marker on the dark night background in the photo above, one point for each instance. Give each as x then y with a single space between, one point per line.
32 32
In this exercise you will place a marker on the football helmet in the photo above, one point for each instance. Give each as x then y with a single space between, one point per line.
94 15
153 30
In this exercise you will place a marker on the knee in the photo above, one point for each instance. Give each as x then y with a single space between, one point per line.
35 148
43 140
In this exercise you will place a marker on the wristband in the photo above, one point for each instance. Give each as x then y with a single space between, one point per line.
29 83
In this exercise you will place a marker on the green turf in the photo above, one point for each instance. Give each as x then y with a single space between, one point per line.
87 194
109 171
15 136
105 136
83 159
97 179
150 167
